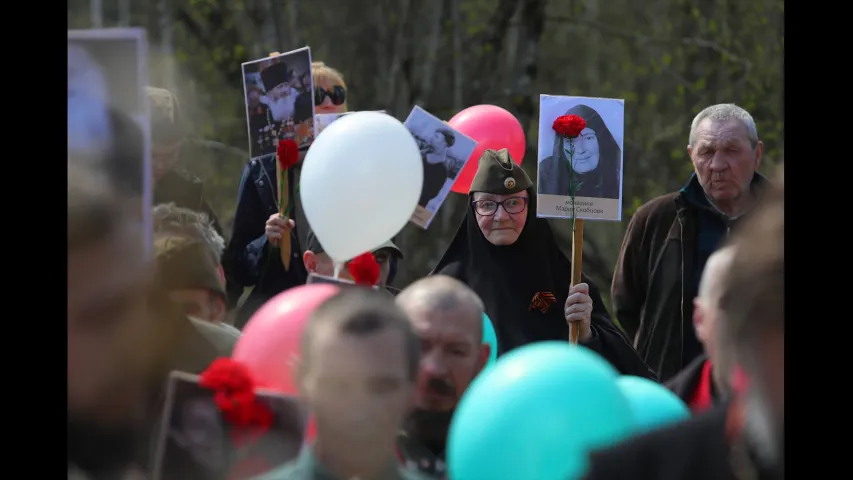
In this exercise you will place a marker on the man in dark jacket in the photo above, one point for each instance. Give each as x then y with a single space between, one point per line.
705 381
169 128
670 238
743 438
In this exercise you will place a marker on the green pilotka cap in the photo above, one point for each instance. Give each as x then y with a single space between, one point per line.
498 174
186 264
167 122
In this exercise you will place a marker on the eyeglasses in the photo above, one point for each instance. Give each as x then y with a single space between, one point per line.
338 95
488 208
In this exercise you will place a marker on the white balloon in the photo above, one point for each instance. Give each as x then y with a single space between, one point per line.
361 181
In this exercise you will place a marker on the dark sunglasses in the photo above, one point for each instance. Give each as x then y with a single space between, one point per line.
338 95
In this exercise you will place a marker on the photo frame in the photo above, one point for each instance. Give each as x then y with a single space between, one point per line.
444 152
594 175
279 103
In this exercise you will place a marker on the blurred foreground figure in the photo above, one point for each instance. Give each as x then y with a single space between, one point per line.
705 381
359 362
108 279
743 439
669 239
448 318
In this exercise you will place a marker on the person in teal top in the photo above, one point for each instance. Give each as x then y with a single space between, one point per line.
357 373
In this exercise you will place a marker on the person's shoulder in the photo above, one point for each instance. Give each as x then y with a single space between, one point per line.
293 470
662 209
412 474
671 452
223 340
452 269
184 176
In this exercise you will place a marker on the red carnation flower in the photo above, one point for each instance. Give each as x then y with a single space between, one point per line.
364 269
569 126
287 153
235 394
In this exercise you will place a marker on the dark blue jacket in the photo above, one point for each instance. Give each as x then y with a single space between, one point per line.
249 260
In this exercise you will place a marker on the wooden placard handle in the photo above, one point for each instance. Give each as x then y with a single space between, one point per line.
577 267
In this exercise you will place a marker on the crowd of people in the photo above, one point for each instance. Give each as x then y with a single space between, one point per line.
382 370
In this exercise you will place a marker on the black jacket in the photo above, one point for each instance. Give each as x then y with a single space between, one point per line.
654 282
697 449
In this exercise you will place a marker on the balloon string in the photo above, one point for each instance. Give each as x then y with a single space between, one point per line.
338 267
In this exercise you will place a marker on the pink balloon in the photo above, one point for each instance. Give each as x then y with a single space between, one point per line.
269 345
492 127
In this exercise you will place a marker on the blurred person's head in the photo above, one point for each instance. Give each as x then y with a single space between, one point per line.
317 261
448 317
330 89
752 308
189 254
276 79
168 130
253 95
108 280
706 314
357 372
726 152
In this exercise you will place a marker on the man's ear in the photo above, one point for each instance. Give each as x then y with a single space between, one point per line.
483 356
310 261
759 151
698 313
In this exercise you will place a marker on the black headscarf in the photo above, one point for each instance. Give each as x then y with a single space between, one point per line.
604 180
508 278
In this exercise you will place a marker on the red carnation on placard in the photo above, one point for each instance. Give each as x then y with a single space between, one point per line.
569 126
235 394
364 269
287 153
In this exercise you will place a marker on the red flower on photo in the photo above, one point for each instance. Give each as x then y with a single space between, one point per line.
364 269
569 126
235 394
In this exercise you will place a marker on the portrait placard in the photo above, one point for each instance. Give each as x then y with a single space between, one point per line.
108 115
196 442
590 165
279 95
444 152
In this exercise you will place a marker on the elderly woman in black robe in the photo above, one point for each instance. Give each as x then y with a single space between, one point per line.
509 257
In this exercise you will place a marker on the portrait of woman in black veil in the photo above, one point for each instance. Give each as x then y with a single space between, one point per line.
597 161
510 258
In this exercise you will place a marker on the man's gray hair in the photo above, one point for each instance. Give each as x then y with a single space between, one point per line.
169 219
723 113
442 292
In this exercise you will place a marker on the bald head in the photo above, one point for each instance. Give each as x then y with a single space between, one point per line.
448 318
715 268
441 294
706 313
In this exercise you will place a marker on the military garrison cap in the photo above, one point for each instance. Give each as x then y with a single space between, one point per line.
186 264
498 174
167 122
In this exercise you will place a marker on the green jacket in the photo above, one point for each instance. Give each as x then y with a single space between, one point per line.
306 467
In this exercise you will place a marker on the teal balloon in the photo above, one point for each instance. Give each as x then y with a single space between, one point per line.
536 414
652 405
490 337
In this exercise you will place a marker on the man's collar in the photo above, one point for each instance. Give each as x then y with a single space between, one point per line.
311 463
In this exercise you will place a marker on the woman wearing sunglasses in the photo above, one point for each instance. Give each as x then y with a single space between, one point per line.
510 258
330 90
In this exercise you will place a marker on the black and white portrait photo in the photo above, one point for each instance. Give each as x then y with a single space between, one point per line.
196 442
589 165
279 101
444 152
